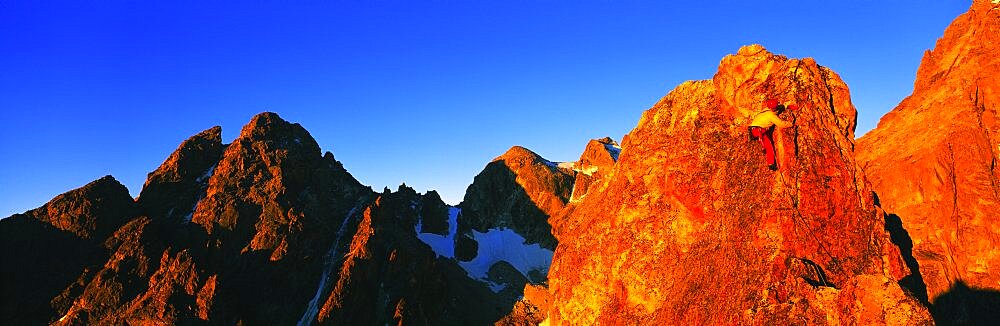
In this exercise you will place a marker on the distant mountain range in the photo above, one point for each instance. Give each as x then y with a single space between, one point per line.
681 223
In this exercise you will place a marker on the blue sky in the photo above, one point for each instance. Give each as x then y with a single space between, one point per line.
422 92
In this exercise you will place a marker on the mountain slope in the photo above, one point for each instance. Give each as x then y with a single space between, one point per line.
517 190
46 248
264 230
693 227
933 160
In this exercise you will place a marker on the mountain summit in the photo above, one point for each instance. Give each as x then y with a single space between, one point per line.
264 230
691 226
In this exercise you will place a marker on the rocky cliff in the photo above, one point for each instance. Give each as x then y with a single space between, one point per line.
933 161
691 227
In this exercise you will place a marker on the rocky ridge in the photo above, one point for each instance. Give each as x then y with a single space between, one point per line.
517 190
681 223
933 161
264 230
691 226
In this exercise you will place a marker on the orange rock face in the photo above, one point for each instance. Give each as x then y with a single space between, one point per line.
692 228
597 160
90 212
933 159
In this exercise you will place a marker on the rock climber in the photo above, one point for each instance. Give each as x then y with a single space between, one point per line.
763 125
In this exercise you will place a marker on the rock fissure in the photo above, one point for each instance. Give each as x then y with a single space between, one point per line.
980 111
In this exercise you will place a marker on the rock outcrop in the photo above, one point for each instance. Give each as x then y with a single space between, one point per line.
597 160
389 276
519 190
45 249
693 228
171 191
93 211
433 214
933 159
225 232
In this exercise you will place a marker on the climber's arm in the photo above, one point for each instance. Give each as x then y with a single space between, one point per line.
780 123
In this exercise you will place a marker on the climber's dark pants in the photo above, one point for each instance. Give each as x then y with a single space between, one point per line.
766 138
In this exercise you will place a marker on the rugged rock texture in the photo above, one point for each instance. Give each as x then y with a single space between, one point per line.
519 190
172 190
531 309
45 249
597 160
262 211
433 214
933 161
693 228
389 276
142 282
264 230
93 211
272 182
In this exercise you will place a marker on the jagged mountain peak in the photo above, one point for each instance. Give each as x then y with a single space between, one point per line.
681 223
171 190
520 156
692 214
271 128
599 153
193 155
597 160
92 211
519 190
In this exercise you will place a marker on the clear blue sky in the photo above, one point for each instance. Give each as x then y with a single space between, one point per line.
422 92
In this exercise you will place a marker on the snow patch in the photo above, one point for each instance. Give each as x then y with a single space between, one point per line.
506 245
614 150
496 287
204 176
443 245
202 180
495 245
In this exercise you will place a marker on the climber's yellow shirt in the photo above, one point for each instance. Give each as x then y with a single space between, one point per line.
767 119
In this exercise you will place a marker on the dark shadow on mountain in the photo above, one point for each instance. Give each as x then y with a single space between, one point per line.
39 260
820 275
914 283
495 199
962 305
